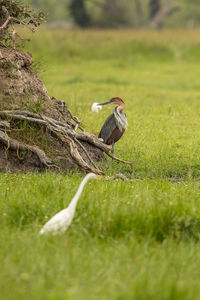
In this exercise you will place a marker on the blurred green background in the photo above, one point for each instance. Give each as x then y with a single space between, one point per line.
121 13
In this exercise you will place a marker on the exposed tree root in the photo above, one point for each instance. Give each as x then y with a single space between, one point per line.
77 157
64 132
86 153
18 146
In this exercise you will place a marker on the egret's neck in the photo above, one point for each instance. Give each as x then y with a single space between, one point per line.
74 201
121 107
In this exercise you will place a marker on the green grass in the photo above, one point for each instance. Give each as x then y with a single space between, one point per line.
129 240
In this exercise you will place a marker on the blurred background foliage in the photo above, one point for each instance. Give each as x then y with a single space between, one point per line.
154 14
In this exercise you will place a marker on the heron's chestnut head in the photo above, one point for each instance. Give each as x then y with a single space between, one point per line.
115 100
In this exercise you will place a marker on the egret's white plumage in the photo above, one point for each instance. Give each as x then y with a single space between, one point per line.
96 107
60 222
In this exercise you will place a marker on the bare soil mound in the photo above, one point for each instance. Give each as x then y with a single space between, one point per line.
36 131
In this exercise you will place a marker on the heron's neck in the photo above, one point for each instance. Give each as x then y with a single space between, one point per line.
121 107
76 197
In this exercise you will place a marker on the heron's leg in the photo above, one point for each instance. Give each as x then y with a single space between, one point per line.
112 151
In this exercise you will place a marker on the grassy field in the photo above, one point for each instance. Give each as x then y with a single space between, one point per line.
129 240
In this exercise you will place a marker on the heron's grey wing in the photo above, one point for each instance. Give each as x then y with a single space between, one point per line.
108 128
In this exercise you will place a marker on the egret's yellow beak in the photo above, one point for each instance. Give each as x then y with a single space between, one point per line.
99 176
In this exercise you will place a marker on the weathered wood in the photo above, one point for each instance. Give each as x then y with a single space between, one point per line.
77 157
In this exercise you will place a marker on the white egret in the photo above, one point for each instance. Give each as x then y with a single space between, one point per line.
60 222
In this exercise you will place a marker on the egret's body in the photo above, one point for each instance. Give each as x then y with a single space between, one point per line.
115 125
61 221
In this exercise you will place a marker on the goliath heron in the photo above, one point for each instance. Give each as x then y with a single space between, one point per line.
115 124
61 221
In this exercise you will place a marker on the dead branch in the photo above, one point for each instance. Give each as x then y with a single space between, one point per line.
12 20
23 112
5 24
63 109
4 125
17 13
76 120
29 119
90 138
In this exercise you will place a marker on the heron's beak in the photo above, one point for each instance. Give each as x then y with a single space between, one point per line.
105 103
